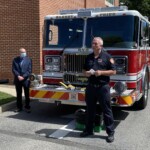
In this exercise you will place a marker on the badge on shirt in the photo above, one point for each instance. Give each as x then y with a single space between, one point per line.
99 60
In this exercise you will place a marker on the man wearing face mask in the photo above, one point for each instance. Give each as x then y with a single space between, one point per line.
22 68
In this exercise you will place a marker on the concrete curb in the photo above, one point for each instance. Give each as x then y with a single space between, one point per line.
11 105
8 89
7 106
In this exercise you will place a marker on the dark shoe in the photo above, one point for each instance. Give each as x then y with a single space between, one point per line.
18 110
110 138
85 134
28 110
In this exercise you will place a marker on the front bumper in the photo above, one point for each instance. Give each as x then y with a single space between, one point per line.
54 94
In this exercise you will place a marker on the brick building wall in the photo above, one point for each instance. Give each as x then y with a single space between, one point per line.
95 3
19 27
21 23
116 2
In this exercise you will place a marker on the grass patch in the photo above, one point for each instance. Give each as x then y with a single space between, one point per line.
6 98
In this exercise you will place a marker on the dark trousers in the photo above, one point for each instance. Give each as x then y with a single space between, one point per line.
25 86
101 95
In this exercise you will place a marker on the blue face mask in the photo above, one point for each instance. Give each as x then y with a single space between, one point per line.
23 55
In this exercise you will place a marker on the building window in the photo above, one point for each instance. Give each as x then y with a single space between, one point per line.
110 1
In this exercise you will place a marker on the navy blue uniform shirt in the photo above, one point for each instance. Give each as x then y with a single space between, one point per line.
100 63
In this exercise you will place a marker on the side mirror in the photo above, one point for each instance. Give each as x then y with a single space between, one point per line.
142 32
50 35
142 42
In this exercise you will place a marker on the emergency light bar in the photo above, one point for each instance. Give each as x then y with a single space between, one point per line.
93 10
84 13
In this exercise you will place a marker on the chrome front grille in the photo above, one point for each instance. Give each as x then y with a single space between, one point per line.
75 79
73 68
74 63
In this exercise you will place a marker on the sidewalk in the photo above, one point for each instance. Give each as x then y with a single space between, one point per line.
9 89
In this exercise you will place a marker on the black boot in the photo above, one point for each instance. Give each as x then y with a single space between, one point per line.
110 138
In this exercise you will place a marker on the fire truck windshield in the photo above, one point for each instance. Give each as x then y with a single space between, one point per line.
117 31
62 33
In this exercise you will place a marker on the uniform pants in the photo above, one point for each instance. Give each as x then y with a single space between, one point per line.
101 95
19 86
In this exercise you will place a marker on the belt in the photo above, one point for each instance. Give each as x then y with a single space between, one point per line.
96 85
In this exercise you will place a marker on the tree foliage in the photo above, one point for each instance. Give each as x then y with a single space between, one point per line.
143 6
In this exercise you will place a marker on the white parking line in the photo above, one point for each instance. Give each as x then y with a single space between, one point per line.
62 132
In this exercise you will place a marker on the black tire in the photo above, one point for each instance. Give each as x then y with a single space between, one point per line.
142 103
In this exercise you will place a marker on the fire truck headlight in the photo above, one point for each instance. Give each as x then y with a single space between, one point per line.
121 64
120 87
56 68
36 80
52 63
32 77
48 67
121 69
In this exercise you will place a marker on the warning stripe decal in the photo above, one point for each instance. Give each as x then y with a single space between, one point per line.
65 96
125 100
81 97
40 94
49 94
33 93
57 95
121 101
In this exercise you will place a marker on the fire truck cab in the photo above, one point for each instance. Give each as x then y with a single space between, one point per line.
67 41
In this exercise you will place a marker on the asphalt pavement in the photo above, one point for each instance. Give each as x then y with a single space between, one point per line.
53 127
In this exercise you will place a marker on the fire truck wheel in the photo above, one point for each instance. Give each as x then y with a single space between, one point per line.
142 103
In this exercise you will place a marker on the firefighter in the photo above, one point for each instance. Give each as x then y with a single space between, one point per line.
99 65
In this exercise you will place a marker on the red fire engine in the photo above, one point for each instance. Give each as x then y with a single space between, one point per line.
67 41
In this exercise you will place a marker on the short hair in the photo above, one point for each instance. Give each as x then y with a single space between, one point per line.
100 39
